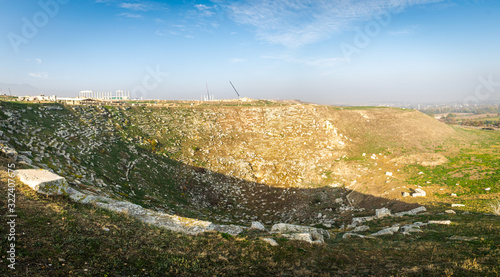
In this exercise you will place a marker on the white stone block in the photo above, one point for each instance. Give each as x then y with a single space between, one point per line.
43 181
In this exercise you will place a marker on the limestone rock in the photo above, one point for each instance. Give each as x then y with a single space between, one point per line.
43 181
310 237
361 229
348 235
290 228
357 220
412 228
384 212
257 226
386 231
271 241
9 151
419 193
463 238
24 159
442 222
411 212
230 229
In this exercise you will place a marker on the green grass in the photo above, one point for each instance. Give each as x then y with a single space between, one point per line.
60 238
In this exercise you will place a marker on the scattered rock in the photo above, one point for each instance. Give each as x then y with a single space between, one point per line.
362 228
297 232
383 212
387 231
388 173
307 237
412 228
419 193
9 151
257 226
405 194
441 222
462 238
271 241
229 229
411 212
348 235
23 159
45 182
450 212
457 205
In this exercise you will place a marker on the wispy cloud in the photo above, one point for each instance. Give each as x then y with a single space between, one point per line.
205 10
130 15
134 6
295 23
39 75
38 60
310 61
237 60
408 30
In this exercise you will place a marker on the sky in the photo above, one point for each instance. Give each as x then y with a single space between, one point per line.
327 52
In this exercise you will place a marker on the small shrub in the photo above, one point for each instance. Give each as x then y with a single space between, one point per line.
226 235
495 207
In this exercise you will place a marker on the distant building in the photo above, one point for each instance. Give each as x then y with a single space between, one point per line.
105 95
41 97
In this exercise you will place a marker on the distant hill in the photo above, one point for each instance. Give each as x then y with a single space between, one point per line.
19 89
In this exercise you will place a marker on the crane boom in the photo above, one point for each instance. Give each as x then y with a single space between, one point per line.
234 89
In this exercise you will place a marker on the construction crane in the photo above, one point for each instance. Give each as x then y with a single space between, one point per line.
234 89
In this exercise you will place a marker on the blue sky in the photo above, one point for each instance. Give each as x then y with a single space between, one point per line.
329 52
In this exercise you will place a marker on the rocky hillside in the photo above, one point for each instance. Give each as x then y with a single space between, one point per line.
279 188
230 163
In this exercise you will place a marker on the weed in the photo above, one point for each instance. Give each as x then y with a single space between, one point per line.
495 207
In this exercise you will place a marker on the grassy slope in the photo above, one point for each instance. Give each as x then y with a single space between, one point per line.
60 238
75 231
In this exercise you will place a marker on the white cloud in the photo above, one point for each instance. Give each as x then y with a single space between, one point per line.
39 75
295 23
237 60
403 31
130 15
202 7
310 61
206 10
38 60
134 6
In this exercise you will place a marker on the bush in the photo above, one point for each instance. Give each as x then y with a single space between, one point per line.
495 207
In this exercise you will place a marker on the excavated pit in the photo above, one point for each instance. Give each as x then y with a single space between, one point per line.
268 162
